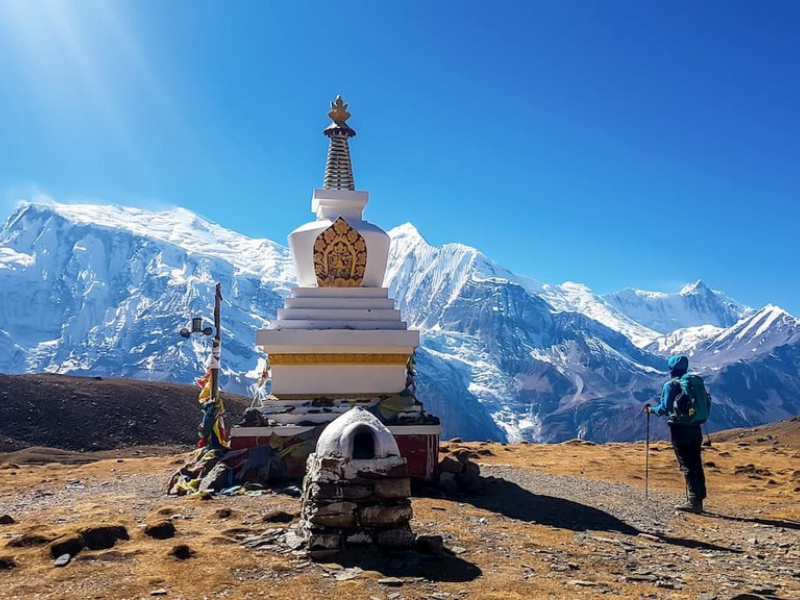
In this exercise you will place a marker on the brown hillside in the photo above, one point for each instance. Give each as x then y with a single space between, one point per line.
782 433
93 413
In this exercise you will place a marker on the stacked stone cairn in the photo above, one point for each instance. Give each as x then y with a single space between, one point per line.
457 472
356 490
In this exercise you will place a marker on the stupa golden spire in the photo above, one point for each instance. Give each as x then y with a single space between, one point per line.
338 169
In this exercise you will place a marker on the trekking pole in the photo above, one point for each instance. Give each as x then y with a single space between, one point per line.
707 443
647 458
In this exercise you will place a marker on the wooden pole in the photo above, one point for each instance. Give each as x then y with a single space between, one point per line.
215 347
647 460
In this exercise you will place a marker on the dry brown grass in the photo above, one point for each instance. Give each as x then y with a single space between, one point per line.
502 551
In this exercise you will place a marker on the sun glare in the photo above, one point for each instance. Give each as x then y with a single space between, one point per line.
76 58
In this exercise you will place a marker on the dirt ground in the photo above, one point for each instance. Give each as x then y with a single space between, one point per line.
589 533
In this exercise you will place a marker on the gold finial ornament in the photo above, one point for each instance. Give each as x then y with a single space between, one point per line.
339 112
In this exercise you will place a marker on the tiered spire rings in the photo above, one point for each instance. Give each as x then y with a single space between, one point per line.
338 169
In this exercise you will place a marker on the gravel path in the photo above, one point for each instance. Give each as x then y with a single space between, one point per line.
135 494
727 548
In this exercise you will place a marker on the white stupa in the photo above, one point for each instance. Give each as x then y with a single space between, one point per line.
339 332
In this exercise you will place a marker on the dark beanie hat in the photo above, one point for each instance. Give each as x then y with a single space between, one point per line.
678 365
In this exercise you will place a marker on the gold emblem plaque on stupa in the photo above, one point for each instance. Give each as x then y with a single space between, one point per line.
340 256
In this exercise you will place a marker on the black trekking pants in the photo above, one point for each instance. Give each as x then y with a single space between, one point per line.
687 441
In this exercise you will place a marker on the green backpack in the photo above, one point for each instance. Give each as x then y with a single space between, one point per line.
693 403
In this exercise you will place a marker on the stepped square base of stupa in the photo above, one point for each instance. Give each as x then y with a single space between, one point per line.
338 341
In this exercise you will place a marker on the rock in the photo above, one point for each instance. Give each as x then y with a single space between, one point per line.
278 516
386 514
764 591
348 574
389 489
327 510
337 514
324 541
359 538
450 465
430 544
457 550
268 538
182 552
69 544
665 585
582 583
7 563
224 513
159 592
335 491
463 456
399 537
290 490
294 540
161 531
391 581
216 479
643 577
339 521
7 520
103 536
469 480
63 560
448 483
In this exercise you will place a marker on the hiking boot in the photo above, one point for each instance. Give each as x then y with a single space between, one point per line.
695 507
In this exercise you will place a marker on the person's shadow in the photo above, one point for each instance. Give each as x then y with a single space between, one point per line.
757 520
509 499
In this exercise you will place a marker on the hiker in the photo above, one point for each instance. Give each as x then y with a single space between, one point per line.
687 439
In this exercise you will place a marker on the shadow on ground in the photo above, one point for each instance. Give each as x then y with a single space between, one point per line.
511 500
756 520
444 567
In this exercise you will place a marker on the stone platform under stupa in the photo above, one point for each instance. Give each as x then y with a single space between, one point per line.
339 341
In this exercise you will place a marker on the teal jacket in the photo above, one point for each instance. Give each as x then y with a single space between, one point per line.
678 366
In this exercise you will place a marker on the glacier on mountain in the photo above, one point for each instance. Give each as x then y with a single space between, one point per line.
696 304
103 290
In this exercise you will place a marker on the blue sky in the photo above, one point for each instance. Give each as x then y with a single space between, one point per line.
618 144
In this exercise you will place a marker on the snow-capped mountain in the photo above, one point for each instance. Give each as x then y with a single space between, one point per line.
102 290
694 305
685 340
576 297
